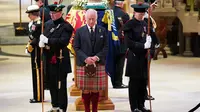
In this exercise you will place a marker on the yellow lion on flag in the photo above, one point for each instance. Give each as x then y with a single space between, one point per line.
77 19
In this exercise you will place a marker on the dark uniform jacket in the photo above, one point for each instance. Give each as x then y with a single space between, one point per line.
121 18
155 40
34 35
34 32
58 33
135 37
84 48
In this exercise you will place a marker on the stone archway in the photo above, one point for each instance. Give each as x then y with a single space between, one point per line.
176 39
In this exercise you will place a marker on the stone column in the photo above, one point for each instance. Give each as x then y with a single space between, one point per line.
181 38
190 4
196 44
188 51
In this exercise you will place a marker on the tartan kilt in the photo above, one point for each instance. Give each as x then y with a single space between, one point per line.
97 82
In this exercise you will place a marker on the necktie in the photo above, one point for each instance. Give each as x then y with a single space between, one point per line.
92 34
92 38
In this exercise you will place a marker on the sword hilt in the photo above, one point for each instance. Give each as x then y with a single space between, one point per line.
60 57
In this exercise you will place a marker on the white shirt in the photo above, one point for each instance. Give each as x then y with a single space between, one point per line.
89 28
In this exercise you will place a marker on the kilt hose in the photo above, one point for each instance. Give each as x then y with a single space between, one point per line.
97 82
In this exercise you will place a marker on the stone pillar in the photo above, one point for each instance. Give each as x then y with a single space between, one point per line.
196 45
181 38
190 3
188 51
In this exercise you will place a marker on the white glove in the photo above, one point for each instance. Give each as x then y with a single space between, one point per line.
157 46
43 38
41 44
147 45
148 38
26 51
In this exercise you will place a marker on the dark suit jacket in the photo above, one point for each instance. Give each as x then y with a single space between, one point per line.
34 35
83 46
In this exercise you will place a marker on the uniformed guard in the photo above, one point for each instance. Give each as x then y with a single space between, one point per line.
137 42
121 17
56 37
34 50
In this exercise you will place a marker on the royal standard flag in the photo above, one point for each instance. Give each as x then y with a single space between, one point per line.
113 42
77 19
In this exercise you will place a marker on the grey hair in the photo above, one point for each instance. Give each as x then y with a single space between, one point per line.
91 11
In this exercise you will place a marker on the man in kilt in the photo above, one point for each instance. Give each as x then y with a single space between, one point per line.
91 47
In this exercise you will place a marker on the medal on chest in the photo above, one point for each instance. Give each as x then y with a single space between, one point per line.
144 31
143 34
51 30
33 27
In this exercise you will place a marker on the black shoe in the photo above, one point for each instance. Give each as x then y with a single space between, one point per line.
34 101
121 86
137 110
149 97
145 109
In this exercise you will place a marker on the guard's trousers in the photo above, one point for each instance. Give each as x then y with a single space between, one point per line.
117 79
137 89
59 96
36 77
